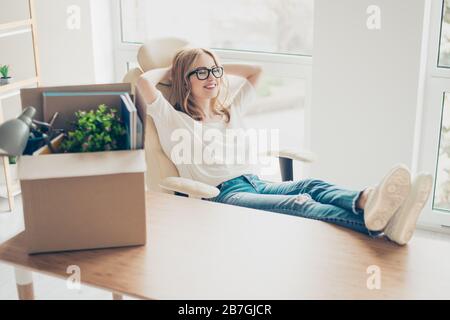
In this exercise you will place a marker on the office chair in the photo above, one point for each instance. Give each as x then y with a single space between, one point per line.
162 175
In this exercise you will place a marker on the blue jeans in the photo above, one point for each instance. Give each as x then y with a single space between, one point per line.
309 198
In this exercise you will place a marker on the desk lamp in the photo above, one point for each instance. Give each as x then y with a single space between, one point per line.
14 133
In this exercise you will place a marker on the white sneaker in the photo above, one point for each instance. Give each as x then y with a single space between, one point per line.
401 227
387 197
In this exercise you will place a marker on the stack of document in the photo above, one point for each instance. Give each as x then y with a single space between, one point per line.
132 122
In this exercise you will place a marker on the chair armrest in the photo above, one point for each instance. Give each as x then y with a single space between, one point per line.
192 188
304 156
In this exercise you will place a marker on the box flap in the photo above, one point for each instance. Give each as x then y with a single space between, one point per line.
67 165
33 96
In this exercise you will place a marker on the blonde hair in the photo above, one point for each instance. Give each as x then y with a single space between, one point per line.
181 91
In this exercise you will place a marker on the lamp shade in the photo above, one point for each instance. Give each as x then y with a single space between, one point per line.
14 133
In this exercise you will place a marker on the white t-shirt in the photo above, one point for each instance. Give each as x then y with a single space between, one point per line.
210 152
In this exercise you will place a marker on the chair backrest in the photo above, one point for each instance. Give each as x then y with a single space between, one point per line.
156 53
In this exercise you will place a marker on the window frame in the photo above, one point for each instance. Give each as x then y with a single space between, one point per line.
437 82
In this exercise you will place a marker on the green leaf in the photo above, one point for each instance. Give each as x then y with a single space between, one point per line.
96 130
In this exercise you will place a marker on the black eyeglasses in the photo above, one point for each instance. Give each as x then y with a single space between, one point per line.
203 72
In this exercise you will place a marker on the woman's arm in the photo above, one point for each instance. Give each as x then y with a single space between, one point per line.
148 81
249 71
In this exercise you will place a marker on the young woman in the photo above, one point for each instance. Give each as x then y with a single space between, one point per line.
196 76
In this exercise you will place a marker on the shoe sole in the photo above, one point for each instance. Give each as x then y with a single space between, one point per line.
403 224
388 197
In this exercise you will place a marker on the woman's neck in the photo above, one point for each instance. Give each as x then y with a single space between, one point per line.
205 105
210 116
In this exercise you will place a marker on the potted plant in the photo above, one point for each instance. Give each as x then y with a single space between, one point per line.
4 72
96 130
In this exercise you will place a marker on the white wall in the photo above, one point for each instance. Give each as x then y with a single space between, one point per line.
65 54
102 40
74 56
364 88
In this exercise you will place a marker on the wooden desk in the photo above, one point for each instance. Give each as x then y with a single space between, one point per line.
199 249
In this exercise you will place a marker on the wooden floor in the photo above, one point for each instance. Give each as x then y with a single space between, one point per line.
294 257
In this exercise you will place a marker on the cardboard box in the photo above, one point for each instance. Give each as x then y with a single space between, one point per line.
79 201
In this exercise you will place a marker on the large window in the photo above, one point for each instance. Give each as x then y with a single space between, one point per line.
434 155
441 199
273 26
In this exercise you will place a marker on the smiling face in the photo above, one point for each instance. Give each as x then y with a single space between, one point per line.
193 92
209 87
